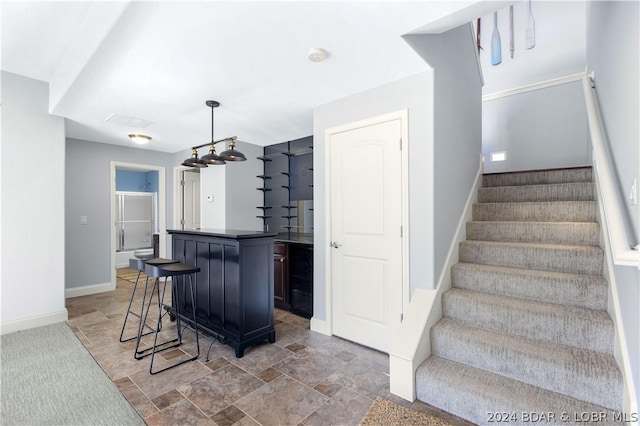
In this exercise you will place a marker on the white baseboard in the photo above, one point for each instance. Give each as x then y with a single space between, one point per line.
320 326
87 290
33 322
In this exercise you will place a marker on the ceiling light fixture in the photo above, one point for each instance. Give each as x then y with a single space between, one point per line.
139 138
231 154
317 55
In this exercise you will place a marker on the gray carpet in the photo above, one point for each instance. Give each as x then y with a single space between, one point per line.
525 327
49 378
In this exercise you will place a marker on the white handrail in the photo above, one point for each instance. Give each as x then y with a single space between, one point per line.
613 206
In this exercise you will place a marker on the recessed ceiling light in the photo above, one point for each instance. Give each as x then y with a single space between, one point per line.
139 139
125 120
317 55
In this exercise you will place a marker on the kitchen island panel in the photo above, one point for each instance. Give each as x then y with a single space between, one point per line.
234 286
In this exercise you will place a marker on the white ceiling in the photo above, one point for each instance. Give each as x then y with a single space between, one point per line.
160 61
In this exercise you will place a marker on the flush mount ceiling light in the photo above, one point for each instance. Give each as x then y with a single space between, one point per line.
231 154
139 138
317 55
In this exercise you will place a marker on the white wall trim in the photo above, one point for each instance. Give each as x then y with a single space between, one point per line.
534 86
621 350
612 204
33 322
403 115
162 210
87 290
475 51
412 345
320 326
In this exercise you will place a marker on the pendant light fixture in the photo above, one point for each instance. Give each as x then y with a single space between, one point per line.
212 157
231 154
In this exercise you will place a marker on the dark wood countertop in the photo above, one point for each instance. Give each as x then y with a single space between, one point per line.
236 234
294 237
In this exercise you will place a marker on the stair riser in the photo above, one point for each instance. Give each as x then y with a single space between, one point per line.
535 232
524 362
541 323
568 259
538 178
476 396
559 211
574 290
580 191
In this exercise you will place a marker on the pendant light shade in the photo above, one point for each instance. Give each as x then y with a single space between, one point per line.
193 161
231 154
212 158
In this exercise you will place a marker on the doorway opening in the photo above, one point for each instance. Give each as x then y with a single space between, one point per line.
137 212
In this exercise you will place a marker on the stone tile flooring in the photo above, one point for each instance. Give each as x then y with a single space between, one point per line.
304 378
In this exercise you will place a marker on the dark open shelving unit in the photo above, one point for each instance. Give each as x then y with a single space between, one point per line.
283 184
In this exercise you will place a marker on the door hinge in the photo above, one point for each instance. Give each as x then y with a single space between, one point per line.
401 317
400 231
181 221
182 183
400 144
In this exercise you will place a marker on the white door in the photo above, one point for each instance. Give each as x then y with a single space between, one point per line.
366 219
190 199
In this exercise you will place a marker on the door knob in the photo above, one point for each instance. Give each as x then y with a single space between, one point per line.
335 245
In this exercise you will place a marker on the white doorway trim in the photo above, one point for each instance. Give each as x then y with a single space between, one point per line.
403 115
178 198
162 220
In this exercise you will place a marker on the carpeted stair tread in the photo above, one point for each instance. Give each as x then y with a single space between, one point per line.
581 290
525 325
473 394
573 191
589 376
568 233
541 177
544 257
583 328
549 211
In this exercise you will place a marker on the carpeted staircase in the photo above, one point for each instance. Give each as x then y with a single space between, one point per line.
525 325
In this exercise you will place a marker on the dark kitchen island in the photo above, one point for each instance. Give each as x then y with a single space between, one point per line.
234 288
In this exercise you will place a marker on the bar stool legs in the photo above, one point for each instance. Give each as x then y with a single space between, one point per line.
179 273
139 264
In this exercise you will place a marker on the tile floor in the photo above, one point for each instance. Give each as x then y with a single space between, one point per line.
304 378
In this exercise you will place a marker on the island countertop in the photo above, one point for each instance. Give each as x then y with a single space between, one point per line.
236 234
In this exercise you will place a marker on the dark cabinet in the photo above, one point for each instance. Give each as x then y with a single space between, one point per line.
234 288
281 276
301 279
293 277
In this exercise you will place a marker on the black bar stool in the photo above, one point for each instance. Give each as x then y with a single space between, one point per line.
174 270
139 264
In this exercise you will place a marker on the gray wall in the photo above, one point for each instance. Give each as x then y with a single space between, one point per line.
542 129
560 44
415 94
33 233
87 247
613 53
615 24
241 193
233 187
458 120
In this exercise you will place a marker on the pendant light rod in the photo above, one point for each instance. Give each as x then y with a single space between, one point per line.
231 138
